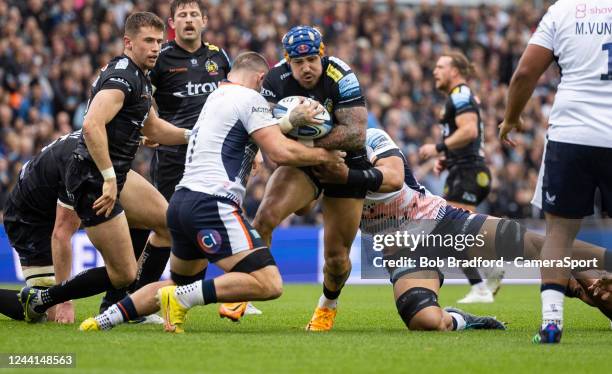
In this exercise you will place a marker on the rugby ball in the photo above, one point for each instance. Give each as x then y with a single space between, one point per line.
286 105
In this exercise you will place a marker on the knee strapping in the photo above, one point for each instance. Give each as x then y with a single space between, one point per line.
509 239
182 280
413 301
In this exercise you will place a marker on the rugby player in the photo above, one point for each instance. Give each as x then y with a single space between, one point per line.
187 71
461 151
306 71
579 136
204 216
402 204
40 221
119 109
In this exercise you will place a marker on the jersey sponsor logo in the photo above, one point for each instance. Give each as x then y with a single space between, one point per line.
194 62
482 179
197 89
469 197
267 93
580 10
212 47
121 81
260 109
285 75
178 70
329 105
169 46
340 63
333 73
210 240
122 64
211 67
349 86
550 199
377 139
461 99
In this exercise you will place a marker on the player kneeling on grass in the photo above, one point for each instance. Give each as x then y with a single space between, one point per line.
397 202
204 215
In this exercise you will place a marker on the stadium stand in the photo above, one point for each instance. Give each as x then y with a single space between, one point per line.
51 50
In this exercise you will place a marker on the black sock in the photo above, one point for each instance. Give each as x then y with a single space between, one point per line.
152 263
10 305
139 240
86 283
111 297
208 291
608 260
331 295
472 275
127 309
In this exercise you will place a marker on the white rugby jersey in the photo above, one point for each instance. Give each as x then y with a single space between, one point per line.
220 151
579 33
412 208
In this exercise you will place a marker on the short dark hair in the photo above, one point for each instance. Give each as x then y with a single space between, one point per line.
174 5
142 19
461 63
251 61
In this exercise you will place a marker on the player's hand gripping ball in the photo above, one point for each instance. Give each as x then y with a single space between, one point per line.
309 131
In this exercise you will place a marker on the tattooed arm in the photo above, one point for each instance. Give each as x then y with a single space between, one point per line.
349 134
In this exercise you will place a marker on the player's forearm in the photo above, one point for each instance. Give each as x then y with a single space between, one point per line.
392 181
292 153
163 132
460 138
96 140
347 138
522 85
61 252
350 132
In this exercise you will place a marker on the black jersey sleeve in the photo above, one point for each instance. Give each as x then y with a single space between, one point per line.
271 89
154 74
119 76
463 101
346 89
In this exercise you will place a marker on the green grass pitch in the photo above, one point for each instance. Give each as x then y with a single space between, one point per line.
368 337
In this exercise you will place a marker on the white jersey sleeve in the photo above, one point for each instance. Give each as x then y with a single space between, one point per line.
256 114
545 33
579 34
378 142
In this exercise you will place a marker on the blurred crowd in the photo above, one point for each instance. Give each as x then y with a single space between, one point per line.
51 50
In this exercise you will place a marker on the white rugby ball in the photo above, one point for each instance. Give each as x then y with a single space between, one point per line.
286 105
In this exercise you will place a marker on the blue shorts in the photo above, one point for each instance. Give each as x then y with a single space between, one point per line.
208 227
571 175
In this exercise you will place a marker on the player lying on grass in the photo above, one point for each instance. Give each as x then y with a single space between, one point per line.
204 215
400 203
40 220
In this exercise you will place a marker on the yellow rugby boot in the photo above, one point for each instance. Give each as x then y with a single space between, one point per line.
171 310
90 324
322 319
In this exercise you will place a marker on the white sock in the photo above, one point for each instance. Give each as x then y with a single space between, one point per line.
324 302
459 320
110 318
480 287
190 295
552 307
